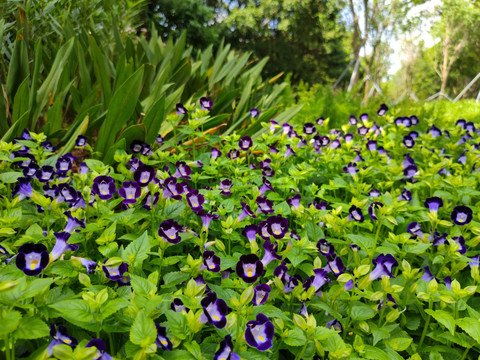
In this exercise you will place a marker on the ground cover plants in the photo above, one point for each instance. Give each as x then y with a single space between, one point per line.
303 240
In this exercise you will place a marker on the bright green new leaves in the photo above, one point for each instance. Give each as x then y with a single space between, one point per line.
137 251
143 331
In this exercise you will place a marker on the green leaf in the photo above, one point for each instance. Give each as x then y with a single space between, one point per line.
36 287
142 286
143 331
120 109
372 352
194 349
137 251
295 337
314 232
271 312
362 312
10 177
9 320
471 327
175 277
399 344
444 318
178 324
364 242
111 307
31 328
173 210
74 309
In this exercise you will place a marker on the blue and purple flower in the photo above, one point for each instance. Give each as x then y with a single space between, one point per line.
461 215
32 258
170 230
101 354
162 341
261 293
259 333
249 268
104 187
214 310
130 191
383 266
225 352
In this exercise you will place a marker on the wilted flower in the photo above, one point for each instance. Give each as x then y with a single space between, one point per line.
372 207
335 325
89 264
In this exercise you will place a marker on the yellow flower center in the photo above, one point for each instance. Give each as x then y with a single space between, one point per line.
261 338
216 317
249 272
163 342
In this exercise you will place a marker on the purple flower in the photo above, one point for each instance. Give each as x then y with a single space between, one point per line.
45 173
363 130
60 336
460 240
335 265
415 229
136 146
115 273
265 187
181 109
23 188
372 145
335 324
410 171
277 226
355 213
246 211
130 191
61 245
372 207
254 112
225 186
101 349
433 203
434 131
351 168
382 110
211 261
270 253
64 163
309 129
214 311
215 153
134 164
162 341
289 151
169 230
225 352
438 239
352 120
150 201
250 232
89 264
249 268
81 141
261 293
48 146
104 187
172 188
178 306
32 258
67 192
183 170
160 139
262 230
245 143
294 201
316 281
325 248
233 154
405 196
461 215
264 205
259 333
427 274
383 266
320 120
195 200
206 103
408 141
30 170
348 137
4 251
144 174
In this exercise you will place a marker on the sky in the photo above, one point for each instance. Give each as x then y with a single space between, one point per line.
422 33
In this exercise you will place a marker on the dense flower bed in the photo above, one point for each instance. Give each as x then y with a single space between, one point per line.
358 242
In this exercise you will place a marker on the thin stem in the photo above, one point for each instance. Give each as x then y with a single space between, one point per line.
112 348
464 356
425 328
300 354
7 347
377 234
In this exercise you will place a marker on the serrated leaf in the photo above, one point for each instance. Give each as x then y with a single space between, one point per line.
143 331
471 327
295 337
74 309
31 328
399 344
142 286
9 320
444 318
178 324
361 312
137 251
173 210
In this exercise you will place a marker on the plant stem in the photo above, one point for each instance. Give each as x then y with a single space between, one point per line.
300 354
425 328
464 356
377 234
7 347
112 348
